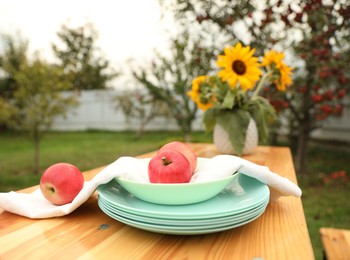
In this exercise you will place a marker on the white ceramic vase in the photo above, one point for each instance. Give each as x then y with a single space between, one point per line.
223 144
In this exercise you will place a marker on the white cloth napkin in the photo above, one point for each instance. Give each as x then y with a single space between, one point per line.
34 205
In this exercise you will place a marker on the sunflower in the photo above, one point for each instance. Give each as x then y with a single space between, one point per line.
281 73
239 65
200 93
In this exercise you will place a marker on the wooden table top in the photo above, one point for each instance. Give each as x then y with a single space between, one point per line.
87 233
336 243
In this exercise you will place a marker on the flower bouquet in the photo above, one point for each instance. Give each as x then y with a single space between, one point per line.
231 97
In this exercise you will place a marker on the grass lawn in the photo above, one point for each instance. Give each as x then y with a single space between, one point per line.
326 192
325 184
86 150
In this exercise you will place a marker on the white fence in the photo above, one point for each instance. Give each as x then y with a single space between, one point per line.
97 110
336 128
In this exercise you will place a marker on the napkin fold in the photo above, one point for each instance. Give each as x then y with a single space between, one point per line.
35 205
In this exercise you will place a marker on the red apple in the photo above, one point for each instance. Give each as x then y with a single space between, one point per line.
61 183
169 167
184 149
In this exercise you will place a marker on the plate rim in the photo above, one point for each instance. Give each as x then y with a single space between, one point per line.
178 214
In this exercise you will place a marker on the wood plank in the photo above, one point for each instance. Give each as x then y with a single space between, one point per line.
280 233
336 243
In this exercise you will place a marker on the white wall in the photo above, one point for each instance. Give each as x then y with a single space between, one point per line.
97 110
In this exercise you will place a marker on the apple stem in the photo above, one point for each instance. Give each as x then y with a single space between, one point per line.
165 161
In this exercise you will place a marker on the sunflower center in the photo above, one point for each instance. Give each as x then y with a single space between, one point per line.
239 67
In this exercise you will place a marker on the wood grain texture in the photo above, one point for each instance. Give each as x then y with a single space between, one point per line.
87 233
336 243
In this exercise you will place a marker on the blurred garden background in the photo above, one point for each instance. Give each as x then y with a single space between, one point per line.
72 108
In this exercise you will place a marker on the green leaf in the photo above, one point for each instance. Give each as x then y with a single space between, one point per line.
263 114
235 123
209 119
229 100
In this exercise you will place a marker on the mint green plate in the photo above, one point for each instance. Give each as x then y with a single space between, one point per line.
184 227
176 193
183 223
242 194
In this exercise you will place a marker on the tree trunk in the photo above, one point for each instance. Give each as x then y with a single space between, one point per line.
303 141
36 151
187 137
140 130
187 130
304 121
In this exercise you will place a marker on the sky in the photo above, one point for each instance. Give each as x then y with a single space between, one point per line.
126 28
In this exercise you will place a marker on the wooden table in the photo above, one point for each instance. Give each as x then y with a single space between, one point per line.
336 243
87 233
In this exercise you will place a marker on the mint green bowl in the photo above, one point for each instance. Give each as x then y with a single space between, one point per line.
176 193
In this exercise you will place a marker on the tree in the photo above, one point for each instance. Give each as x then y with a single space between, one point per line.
315 32
39 98
142 106
80 59
13 56
170 77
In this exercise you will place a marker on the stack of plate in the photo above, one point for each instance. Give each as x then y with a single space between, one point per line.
244 200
